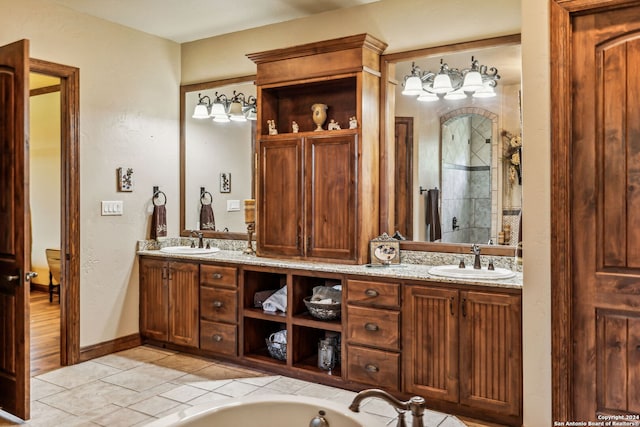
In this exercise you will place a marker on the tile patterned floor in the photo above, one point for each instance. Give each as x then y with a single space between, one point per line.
137 386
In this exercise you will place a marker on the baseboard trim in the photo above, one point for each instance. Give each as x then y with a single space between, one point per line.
102 349
39 287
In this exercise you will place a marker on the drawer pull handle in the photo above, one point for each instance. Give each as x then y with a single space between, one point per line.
217 276
217 304
217 338
371 327
371 368
371 293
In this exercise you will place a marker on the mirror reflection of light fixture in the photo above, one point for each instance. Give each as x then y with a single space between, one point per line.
224 109
451 83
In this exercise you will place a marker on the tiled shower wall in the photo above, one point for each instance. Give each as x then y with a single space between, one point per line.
466 179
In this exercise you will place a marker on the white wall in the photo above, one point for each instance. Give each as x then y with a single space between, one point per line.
129 89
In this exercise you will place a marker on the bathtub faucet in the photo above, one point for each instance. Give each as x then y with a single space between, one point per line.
416 405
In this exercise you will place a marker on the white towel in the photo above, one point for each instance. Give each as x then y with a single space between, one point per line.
277 301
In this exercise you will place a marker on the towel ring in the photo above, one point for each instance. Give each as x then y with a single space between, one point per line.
203 198
156 196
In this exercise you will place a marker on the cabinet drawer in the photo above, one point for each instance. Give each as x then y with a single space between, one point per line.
374 293
374 367
218 337
377 328
219 305
213 275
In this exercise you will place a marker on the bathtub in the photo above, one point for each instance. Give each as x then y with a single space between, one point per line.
267 411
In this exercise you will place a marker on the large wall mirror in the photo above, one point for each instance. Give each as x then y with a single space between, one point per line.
457 174
216 162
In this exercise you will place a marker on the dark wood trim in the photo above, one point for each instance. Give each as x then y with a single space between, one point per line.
38 287
113 346
183 91
44 90
561 306
387 123
70 201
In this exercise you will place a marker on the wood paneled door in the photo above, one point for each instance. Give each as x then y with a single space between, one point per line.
596 201
15 247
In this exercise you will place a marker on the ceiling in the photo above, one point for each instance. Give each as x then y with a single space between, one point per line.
187 20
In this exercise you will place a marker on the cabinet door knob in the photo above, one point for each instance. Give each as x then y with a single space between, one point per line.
217 304
217 338
371 368
371 293
217 276
371 327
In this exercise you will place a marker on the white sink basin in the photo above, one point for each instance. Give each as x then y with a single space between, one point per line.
453 271
188 250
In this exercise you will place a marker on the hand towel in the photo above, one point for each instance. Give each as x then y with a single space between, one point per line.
207 220
158 222
277 301
433 215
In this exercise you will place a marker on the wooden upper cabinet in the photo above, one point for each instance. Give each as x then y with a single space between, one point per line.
318 190
280 193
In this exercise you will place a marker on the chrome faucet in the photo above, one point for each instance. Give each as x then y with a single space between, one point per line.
475 249
200 237
416 405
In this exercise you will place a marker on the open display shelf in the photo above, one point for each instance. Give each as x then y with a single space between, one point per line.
304 332
286 104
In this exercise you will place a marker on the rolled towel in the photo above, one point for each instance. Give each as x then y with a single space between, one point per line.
277 301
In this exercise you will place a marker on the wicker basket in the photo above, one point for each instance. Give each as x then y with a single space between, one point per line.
323 311
276 350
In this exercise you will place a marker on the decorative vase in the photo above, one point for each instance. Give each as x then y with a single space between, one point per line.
319 114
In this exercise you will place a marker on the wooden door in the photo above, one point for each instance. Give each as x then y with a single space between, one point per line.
605 212
184 306
280 199
154 299
430 347
491 352
403 182
15 245
330 196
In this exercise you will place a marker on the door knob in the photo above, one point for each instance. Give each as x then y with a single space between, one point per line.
30 275
11 278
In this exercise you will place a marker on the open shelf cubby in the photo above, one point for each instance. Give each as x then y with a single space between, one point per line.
256 331
305 350
286 104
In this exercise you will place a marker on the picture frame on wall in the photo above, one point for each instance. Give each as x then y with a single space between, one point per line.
225 182
125 179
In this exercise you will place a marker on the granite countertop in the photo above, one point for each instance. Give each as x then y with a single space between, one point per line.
400 271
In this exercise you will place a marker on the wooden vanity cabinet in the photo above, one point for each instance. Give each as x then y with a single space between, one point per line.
464 347
169 295
318 190
219 309
373 333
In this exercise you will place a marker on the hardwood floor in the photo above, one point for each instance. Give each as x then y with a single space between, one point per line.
45 333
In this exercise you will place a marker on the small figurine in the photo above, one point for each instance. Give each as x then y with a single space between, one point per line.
353 122
272 127
333 125
294 126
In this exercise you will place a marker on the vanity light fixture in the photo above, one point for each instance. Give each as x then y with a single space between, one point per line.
478 81
223 109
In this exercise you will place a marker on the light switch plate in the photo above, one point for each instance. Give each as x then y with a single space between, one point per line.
112 207
233 205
